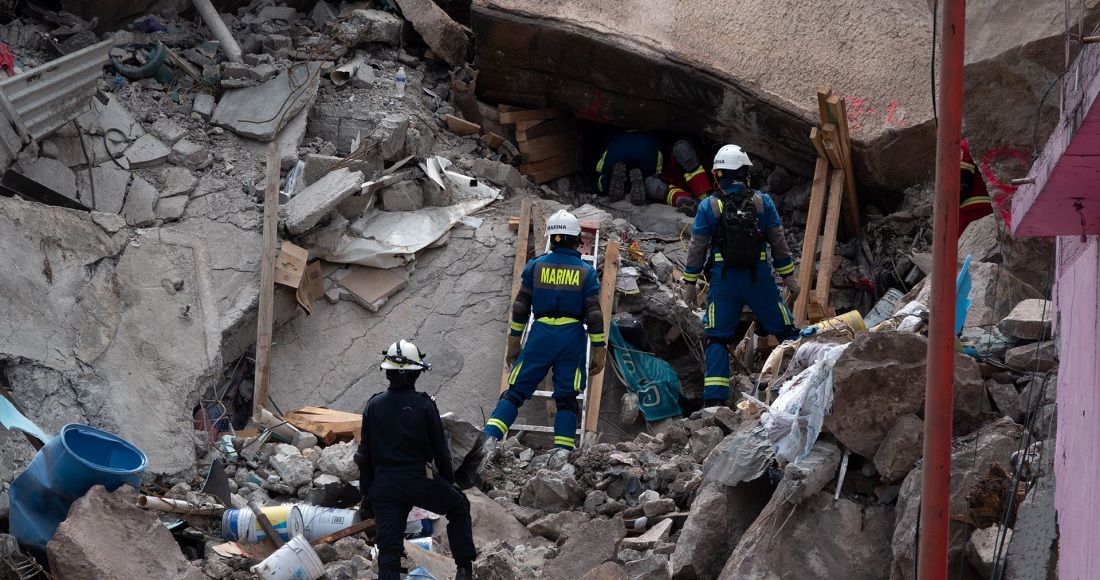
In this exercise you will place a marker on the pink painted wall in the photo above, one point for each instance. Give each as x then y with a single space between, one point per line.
1077 456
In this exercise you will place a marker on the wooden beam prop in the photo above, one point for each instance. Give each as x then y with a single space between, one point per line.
524 234
607 301
809 243
828 243
267 282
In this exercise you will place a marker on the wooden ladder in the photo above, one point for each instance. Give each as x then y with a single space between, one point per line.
531 214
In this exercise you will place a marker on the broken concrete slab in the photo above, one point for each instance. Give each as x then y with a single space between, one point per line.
498 173
558 525
551 490
140 198
656 218
1029 320
371 287
971 457
1037 356
110 185
204 105
146 151
52 174
167 130
310 206
880 377
173 180
983 546
901 448
450 40
589 546
260 112
405 195
113 116
290 138
719 516
170 209
493 523
335 120
190 155
366 26
135 544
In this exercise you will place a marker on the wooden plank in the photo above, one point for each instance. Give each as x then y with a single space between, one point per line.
823 93
324 433
548 152
509 117
538 227
838 108
555 161
493 140
571 139
462 126
809 242
265 316
607 300
562 125
517 271
828 242
832 146
556 172
819 143
525 125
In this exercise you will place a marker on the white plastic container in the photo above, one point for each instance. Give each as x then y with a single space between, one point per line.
322 521
241 525
296 560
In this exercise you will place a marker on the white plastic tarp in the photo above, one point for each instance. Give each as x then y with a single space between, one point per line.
793 421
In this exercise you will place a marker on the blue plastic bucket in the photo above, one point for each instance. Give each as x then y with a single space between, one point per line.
62 472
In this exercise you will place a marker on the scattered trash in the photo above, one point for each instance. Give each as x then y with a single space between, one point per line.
296 560
242 525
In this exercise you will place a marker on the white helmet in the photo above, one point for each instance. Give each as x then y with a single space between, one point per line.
404 356
731 157
563 222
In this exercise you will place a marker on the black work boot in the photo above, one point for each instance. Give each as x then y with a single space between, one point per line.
687 206
616 190
714 403
464 574
637 187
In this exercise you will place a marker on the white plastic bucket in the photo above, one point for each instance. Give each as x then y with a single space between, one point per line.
241 525
322 521
296 560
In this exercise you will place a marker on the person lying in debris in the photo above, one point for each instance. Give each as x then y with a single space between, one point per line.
404 461
729 234
680 183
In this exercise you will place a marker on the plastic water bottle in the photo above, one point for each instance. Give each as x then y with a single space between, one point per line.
399 85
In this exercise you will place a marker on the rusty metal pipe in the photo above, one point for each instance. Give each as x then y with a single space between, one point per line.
936 478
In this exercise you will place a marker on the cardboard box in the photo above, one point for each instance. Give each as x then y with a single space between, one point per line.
311 288
290 265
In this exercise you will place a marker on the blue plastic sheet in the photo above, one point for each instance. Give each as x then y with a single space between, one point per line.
62 472
11 418
962 295
651 378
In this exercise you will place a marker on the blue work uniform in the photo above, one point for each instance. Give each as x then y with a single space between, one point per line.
732 288
561 285
635 149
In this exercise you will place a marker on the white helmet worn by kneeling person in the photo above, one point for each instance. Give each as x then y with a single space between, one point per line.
404 356
562 224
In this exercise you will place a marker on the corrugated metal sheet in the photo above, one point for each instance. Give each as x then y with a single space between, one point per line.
51 95
13 136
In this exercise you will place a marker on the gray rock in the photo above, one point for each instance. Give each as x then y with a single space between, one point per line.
366 26
718 517
1029 259
392 131
146 151
662 266
135 545
138 209
1037 356
259 112
499 174
110 222
167 130
323 13
980 240
657 218
1005 396
173 180
982 548
352 569
1029 320
204 105
339 460
494 522
294 469
805 478
589 546
994 292
499 564
110 188
311 205
653 567
703 442
403 196
364 77
901 448
54 175
190 155
1034 550
558 525
551 490
290 138
659 508
606 571
448 39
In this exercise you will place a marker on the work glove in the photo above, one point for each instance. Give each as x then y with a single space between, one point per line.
366 509
791 282
689 293
596 360
513 350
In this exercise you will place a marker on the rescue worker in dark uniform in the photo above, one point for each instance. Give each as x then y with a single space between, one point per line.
404 461
636 152
733 288
562 290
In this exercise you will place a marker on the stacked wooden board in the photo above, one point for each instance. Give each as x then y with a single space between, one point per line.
548 142
834 179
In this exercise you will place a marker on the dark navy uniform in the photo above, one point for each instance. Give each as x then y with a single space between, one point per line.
563 290
402 437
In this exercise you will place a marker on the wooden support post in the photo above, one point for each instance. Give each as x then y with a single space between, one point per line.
832 145
524 234
267 282
809 243
819 143
823 93
837 110
538 227
828 243
607 301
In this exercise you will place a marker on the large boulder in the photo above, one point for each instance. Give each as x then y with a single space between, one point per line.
551 490
593 544
972 455
994 291
492 522
1029 320
881 376
901 449
718 517
106 535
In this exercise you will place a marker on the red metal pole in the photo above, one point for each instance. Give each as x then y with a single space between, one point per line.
936 478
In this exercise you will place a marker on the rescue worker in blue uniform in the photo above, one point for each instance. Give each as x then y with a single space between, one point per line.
732 288
636 152
564 293
404 461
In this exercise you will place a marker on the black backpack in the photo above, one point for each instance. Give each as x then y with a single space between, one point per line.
739 238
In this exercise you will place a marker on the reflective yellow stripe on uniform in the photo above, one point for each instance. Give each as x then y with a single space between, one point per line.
969 167
690 277
596 337
518 326
690 175
660 162
557 321
498 424
515 373
564 441
716 382
710 316
975 201
784 270
786 313
577 381
599 164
